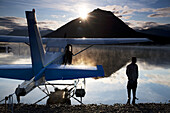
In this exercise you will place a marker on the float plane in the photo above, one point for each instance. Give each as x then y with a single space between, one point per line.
54 61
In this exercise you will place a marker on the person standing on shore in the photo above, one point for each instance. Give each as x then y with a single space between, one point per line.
132 74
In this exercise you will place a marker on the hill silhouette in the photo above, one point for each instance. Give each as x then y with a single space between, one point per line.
24 32
160 30
100 24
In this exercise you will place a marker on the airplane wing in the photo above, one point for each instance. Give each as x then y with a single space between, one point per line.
66 72
90 41
16 71
52 72
97 41
18 39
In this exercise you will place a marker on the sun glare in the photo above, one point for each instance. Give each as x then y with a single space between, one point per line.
83 13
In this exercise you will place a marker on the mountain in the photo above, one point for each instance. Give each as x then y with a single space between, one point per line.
100 24
160 30
4 32
24 32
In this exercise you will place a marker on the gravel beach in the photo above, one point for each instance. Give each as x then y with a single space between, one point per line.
91 108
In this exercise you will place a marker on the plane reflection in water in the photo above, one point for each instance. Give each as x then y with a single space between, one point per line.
153 82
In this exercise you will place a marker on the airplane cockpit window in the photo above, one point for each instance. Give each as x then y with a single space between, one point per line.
62 50
53 49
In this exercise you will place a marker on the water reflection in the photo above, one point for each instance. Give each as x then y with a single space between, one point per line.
113 89
154 73
115 57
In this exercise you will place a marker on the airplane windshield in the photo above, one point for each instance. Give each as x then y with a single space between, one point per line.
54 49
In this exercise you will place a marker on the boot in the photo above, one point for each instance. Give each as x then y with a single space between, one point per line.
133 102
128 102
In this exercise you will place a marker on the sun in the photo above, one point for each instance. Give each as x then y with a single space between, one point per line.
83 13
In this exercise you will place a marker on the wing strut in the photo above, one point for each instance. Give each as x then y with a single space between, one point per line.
82 50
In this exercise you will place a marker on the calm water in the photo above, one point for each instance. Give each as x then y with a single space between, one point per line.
153 82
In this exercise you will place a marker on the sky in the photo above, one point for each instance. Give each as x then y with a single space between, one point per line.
52 14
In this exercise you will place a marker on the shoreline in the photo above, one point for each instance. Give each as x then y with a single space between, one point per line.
89 108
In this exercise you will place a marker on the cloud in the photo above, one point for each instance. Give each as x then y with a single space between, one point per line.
158 79
160 12
64 16
159 15
58 16
126 17
119 11
50 24
8 24
12 22
142 24
55 16
125 12
144 10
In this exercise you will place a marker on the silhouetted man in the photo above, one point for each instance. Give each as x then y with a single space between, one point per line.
132 74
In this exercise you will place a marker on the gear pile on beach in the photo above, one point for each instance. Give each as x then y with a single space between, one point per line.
91 108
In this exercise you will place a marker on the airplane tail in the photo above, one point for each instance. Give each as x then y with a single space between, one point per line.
36 46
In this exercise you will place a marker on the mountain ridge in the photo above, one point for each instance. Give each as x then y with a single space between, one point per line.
101 24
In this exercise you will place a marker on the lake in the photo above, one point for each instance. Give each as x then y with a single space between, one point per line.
153 82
